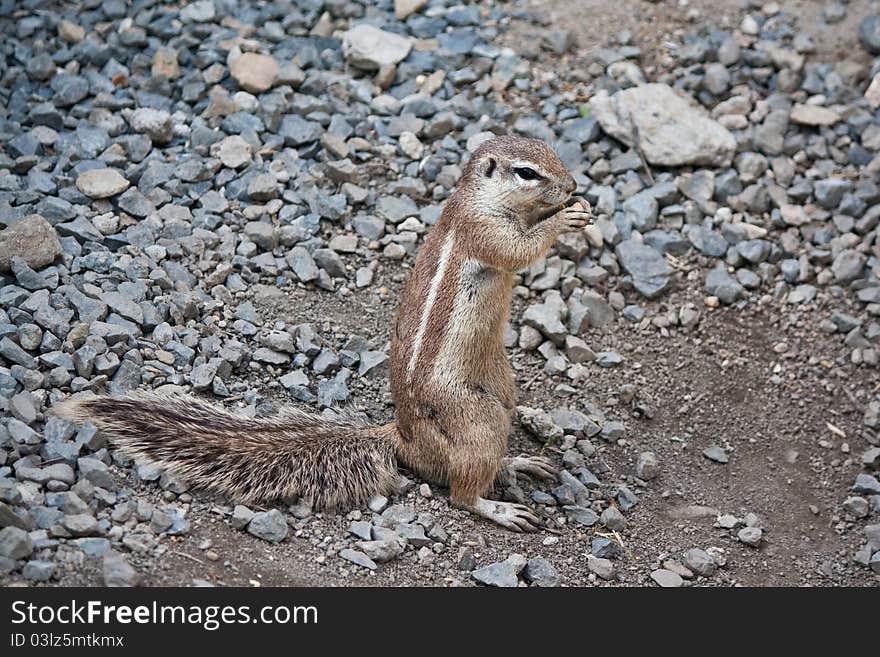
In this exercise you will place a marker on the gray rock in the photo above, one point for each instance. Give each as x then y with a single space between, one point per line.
297 131
502 574
721 284
700 562
603 568
156 124
118 572
135 203
829 193
15 543
715 453
613 519
848 265
647 466
541 572
867 484
641 211
605 548
262 187
101 183
547 318
572 421
200 11
613 431
269 525
667 578
399 514
856 506
38 571
651 274
370 48
381 551
33 240
358 558
241 516
581 515
770 135
751 536
362 529
716 79
869 33
672 130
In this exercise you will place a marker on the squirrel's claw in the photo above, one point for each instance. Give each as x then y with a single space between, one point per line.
515 517
531 466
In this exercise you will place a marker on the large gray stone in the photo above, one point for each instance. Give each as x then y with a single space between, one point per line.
370 48
670 129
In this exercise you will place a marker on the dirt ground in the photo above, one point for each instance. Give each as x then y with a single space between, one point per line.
653 25
711 386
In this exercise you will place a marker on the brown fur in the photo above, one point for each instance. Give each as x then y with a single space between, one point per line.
455 416
288 456
452 385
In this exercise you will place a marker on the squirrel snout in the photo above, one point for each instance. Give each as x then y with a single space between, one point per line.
571 185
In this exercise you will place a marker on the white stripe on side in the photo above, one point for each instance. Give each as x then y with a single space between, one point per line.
429 303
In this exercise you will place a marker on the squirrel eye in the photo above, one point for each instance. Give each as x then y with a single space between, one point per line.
527 174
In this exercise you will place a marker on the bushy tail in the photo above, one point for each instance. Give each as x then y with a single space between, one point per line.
331 464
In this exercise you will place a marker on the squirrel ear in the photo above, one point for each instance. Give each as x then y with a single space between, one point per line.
490 167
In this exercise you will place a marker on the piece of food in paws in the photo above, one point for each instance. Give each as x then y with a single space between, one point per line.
578 203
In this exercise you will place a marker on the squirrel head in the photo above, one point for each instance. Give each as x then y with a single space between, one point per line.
517 176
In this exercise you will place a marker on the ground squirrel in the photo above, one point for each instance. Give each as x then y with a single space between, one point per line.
451 382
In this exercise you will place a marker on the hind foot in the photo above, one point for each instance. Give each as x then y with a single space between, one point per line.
515 517
530 466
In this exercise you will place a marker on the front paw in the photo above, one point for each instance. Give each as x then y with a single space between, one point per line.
573 218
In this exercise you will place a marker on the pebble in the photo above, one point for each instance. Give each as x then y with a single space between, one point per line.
269 525
541 572
15 543
647 466
358 558
254 72
751 536
101 183
603 568
503 574
667 579
368 47
700 562
717 454
33 240
118 572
